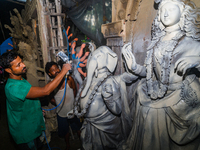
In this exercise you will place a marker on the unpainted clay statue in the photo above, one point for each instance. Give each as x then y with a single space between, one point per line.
29 60
167 115
24 39
80 61
102 101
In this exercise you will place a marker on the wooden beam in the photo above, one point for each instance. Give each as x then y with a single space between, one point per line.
59 47
55 14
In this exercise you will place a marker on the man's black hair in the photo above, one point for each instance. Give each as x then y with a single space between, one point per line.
49 65
7 58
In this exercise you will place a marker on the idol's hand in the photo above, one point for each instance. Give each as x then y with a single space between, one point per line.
185 63
107 90
129 57
73 44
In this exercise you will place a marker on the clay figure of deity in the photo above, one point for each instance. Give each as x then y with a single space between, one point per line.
102 101
79 61
82 61
24 39
167 115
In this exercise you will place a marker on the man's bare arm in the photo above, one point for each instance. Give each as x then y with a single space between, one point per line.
36 92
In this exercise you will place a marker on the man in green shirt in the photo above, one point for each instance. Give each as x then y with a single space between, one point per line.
25 119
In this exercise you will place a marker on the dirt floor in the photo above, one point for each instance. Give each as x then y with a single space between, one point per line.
7 143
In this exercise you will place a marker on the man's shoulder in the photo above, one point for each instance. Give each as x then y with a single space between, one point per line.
70 79
11 83
17 87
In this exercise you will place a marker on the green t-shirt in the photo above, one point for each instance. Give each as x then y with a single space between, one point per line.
25 118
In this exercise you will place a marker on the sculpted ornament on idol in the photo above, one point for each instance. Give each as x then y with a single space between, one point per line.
102 101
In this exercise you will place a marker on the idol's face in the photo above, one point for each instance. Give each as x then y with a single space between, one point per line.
170 14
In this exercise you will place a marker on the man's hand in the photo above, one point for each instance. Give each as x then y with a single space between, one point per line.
129 57
185 63
66 67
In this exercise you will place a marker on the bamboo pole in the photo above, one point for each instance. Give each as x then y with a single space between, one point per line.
59 24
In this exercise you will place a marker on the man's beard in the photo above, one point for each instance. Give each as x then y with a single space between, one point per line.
53 76
57 73
24 70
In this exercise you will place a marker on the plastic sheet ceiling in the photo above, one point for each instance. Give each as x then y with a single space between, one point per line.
89 15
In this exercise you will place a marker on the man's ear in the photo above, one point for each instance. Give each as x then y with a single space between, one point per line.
8 70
